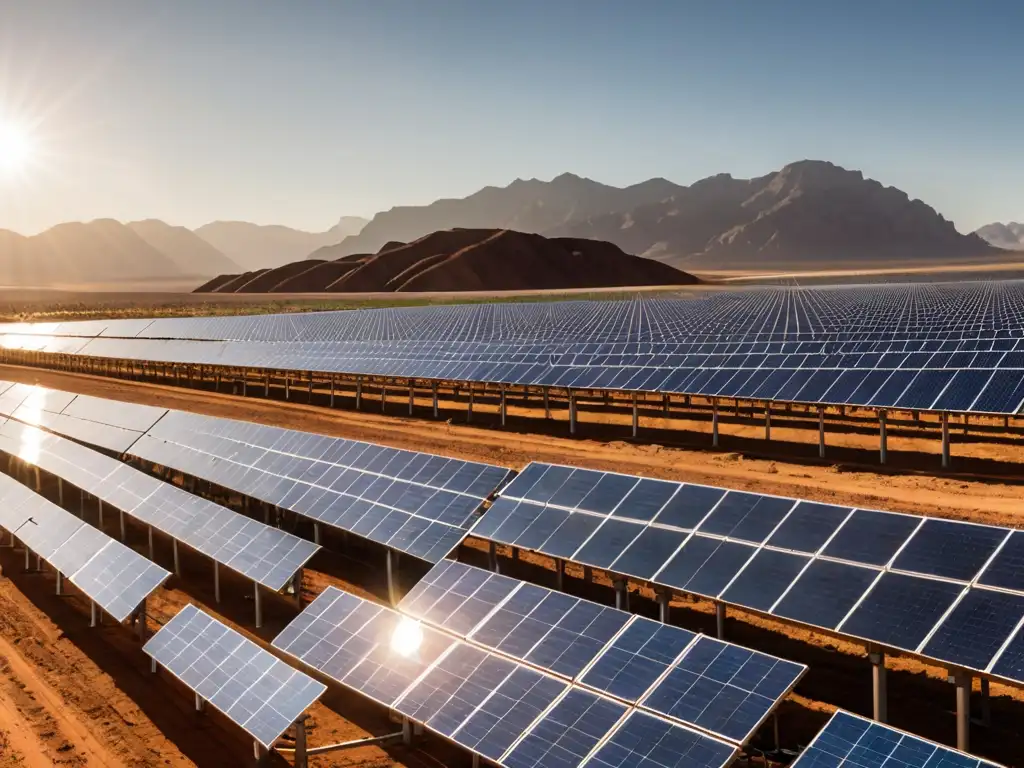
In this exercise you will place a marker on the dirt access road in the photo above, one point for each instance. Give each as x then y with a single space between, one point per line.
74 696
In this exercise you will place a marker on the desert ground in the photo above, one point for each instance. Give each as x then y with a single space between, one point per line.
76 696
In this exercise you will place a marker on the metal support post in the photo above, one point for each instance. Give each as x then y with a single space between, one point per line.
216 581
60 583
359 393
469 406
665 403
94 618
879 689
720 621
120 514
28 564
963 709
714 424
316 533
664 609
266 386
383 396
882 437
986 704
151 557
333 386
258 603
621 595
297 588
60 491
411 398
492 556
547 404
392 592
767 422
39 482
821 433
572 413
636 415
945 441
406 731
140 618
301 760
434 391
287 387
177 564
588 574
200 704
503 408
309 392
99 507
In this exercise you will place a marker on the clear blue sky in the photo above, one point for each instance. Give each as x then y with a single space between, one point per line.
299 112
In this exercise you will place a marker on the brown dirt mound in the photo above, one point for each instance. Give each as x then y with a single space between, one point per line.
468 260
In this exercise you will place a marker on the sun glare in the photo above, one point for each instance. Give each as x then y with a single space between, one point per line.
407 638
16 149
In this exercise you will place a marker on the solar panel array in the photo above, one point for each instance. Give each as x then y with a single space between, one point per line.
947 347
592 684
417 503
113 576
266 555
849 741
943 589
105 423
251 686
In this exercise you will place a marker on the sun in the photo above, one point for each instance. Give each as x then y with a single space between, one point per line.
17 149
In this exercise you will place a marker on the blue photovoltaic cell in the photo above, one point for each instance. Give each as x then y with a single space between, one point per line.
808 527
507 713
1010 663
506 519
723 688
825 593
608 493
871 537
607 543
1007 568
456 596
849 741
550 629
571 534
251 686
746 516
632 663
977 628
949 549
764 579
648 552
901 610
645 499
705 566
689 506
567 733
645 741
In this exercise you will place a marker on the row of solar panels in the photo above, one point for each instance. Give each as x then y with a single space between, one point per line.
114 577
267 555
860 310
959 382
947 590
843 570
417 503
529 677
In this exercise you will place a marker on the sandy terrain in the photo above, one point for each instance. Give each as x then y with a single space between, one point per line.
74 696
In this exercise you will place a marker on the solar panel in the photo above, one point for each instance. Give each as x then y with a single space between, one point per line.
645 741
723 688
369 648
267 555
114 577
977 628
415 503
252 687
849 740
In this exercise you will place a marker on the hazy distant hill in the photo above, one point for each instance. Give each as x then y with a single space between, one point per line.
192 254
462 260
1009 236
81 252
526 206
808 214
256 246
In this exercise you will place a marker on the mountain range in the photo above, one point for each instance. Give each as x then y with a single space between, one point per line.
808 212
807 215
1009 236
462 260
